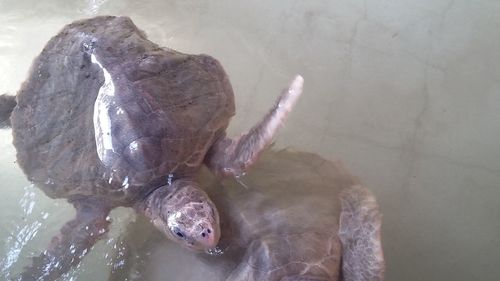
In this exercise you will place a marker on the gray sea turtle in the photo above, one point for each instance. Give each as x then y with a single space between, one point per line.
299 217
107 118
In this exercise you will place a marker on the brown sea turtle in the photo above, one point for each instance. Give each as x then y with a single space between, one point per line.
107 118
298 217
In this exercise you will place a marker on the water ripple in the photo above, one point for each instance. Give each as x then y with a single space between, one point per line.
22 233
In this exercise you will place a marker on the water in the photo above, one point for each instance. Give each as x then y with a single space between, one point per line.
404 92
270 209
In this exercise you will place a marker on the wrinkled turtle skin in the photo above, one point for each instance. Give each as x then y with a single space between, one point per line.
293 217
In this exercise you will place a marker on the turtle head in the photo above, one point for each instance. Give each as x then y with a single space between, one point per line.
185 214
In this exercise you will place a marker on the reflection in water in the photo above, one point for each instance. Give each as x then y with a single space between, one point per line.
22 233
102 120
92 7
31 228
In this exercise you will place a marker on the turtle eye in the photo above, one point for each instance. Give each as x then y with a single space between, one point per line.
178 232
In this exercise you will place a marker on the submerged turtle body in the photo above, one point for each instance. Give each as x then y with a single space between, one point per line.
303 218
107 118
293 217
107 112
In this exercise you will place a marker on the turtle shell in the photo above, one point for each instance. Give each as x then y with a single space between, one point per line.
105 112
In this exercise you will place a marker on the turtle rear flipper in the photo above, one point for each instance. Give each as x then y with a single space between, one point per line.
7 104
75 239
359 233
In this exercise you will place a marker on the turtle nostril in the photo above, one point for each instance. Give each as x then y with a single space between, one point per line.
206 239
206 232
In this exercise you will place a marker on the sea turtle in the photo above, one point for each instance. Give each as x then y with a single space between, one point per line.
296 217
107 118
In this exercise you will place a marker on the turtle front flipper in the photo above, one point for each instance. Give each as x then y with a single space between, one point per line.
67 248
233 156
359 233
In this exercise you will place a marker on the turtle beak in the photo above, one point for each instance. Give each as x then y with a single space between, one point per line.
209 243
209 238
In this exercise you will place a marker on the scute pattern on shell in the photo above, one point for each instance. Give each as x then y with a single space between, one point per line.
166 111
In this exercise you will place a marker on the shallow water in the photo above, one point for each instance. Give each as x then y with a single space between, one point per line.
263 206
406 93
